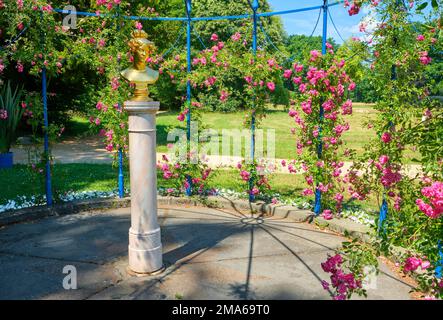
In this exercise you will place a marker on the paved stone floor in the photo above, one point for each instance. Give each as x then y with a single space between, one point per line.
208 254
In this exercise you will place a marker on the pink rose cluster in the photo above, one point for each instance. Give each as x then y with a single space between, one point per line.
386 137
433 208
424 58
270 85
250 81
354 8
413 263
262 182
182 115
343 283
245 175
390 173
109 137
325 88
173 171
357 187
212 54
327 214
167 168
109 4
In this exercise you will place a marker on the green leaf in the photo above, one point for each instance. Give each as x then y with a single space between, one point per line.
434 4
423 5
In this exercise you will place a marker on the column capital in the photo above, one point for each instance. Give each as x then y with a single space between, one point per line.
135 107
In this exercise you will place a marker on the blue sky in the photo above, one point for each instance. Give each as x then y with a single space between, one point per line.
304 22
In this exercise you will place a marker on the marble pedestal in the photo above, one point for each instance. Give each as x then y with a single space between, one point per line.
145 248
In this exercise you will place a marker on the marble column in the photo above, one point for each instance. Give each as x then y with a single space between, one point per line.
145 248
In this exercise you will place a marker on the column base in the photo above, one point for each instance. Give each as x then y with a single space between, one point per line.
132 273
145 261
145 251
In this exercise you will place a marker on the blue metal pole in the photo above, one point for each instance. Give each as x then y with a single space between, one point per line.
255 6
325 27
121 181
439 268
317 205
48 183
121 178
383 213
384 206
188 89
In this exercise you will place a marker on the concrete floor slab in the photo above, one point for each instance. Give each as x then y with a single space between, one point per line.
208 253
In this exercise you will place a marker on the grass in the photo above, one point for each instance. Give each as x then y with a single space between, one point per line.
99 177
103 177
66 177
277 119
77 126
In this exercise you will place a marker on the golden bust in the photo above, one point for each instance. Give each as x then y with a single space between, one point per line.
139 74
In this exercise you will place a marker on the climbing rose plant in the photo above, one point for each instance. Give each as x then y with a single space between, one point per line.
405 117
320 114
260 75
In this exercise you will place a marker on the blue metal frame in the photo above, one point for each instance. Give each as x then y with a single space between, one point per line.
384 206
121 178
439 268
383 214
254 6
48 182
214 18
317 205
188 87
121 181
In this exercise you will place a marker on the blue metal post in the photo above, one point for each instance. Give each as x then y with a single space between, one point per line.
48 183
325 26
439 268
121 178
384 206
317 205
383 213
188 89
255 6
121 181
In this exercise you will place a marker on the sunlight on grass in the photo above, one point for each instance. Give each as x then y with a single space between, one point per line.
277 119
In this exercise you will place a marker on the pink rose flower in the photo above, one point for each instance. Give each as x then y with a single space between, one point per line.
287 74
411 264
327 214
271 86
386 137
181 117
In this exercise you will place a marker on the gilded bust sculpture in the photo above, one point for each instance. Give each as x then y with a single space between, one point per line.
139 74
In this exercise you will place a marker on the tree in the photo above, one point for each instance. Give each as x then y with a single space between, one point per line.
299 46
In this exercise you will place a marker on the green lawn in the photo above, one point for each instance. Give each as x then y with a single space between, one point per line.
66 177
77 126
102 177
356 138
277 119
